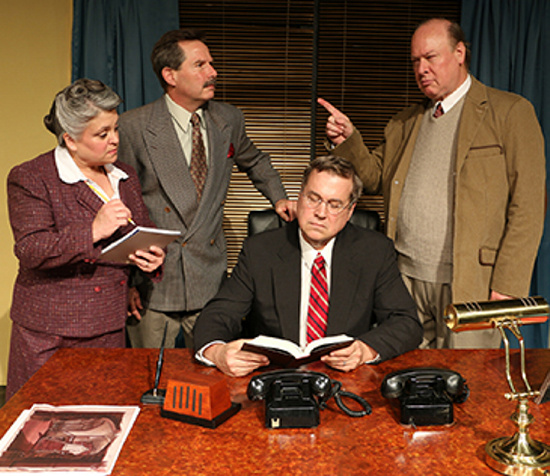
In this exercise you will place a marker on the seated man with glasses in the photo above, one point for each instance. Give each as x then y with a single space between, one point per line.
319 276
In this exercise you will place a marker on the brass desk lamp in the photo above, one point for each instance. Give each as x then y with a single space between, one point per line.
519 454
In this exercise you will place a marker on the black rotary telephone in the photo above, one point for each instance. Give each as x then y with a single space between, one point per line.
426 394
294 397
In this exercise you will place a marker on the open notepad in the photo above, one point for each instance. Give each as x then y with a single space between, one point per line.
288 354
140 238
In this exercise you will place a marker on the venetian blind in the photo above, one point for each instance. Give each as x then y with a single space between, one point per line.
274 57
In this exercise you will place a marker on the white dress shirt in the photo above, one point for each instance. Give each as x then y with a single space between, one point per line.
308 257
181 118
452 99
70 173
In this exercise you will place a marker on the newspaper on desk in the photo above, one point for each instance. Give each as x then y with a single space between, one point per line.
71 440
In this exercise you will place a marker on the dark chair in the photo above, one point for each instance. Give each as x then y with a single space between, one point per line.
263 220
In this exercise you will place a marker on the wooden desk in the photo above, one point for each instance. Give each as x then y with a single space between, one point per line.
376 444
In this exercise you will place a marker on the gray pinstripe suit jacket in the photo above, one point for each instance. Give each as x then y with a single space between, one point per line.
196 263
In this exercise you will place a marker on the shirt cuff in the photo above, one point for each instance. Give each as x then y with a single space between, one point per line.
373 361
199 355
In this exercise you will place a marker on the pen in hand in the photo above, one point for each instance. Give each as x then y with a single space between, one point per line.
106 199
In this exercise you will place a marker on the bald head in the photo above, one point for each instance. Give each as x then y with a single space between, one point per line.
439 57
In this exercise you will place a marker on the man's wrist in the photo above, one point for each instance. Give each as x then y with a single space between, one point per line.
200 354
369 355
210 353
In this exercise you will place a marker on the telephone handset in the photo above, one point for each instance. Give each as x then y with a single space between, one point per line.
316 382
426 394
294 397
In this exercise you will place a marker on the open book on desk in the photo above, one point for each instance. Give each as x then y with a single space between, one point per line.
286 353
140 238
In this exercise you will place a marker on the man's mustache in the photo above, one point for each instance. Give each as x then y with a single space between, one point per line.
210 82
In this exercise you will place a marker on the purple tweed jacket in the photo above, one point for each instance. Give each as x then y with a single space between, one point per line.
62 286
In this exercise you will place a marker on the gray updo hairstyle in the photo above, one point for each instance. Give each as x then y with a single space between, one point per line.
78 104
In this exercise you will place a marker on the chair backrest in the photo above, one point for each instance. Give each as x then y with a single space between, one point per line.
263 220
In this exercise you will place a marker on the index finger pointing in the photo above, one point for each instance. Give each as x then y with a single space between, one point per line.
328 106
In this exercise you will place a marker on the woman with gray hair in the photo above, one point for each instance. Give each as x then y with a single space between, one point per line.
65 206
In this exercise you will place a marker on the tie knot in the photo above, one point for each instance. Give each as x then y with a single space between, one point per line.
195 120
319 260
438 110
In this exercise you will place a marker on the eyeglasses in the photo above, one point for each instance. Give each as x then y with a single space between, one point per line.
334 207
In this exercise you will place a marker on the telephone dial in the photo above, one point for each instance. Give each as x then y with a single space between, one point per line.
294 397
426 394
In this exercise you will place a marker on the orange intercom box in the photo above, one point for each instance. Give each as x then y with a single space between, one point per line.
200 396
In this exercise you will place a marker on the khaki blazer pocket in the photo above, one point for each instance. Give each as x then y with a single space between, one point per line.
487 256
488 150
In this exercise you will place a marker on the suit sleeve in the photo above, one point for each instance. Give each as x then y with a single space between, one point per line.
367 163
221 318
257 165
39 242
398 328
525 164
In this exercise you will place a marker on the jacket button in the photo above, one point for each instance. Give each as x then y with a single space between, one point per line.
97 289
212 242
123 282
184 244
167 209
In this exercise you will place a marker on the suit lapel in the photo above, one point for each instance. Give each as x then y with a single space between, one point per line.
287 284
343 284
87 198
169 162
218 145
473 114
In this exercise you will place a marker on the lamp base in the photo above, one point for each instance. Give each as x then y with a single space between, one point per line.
510 455
519 455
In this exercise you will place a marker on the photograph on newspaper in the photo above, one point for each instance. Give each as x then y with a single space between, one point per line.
77 439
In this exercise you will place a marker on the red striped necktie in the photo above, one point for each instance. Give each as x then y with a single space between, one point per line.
317 314
438 111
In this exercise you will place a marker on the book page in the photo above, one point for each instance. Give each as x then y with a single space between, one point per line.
315 344
293 349
276 343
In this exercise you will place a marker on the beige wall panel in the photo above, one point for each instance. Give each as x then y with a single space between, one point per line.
35 54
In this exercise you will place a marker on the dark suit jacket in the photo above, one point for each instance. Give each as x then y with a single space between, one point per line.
368 299
62 286
196 263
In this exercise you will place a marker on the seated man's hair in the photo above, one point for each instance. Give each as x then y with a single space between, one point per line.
337 166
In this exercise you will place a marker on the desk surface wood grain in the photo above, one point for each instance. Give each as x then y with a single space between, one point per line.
376 444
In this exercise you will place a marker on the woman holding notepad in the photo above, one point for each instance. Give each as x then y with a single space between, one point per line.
65 206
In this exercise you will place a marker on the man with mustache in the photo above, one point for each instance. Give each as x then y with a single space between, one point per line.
463 180
183 147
